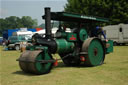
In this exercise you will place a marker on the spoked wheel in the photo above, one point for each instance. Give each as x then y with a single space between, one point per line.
29 62
95 52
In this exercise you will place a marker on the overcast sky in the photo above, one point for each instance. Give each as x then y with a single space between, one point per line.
33 8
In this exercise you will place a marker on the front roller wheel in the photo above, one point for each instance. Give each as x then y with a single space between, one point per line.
29 62
95 52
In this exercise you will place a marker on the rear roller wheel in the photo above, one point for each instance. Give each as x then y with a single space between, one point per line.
28 62
95 52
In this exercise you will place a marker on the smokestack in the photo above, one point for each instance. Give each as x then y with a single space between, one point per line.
48 23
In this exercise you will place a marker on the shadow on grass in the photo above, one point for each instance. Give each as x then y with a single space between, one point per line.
8 50
23 73
121 45
62 65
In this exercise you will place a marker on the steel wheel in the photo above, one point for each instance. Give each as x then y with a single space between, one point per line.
95 50
31 63
43 68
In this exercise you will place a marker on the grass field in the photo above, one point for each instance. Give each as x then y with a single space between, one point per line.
113 72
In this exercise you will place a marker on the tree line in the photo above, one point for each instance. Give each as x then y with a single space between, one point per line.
14 22
115 10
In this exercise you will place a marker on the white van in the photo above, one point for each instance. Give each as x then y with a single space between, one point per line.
28 34
117 33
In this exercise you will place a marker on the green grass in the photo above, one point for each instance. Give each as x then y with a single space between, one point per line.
113 72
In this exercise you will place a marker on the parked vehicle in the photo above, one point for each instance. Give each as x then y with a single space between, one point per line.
20 33
9 32
117 33
14 42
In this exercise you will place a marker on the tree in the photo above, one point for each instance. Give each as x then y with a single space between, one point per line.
14 22
116 11
2 25
28 22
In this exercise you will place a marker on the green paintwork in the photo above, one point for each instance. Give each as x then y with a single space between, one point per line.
86 17
110 49
64 16
83 34
63 34
30 48
71 37
64 46
35 66
43 68
95 59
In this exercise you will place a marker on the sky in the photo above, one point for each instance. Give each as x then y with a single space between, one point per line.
33 8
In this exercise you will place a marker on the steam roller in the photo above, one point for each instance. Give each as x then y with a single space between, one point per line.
79 46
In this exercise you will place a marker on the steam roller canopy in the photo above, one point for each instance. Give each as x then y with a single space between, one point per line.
29 61
95 51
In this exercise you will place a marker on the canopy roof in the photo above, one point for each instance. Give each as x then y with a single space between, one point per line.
64 16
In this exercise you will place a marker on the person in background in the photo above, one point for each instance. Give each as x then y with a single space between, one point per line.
98 31
4 43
